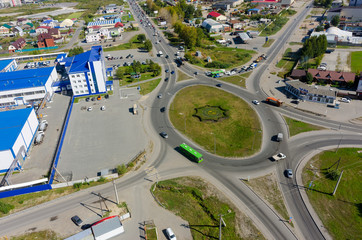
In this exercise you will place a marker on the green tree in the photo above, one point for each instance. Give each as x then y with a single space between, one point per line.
309 78
335 20
148 45
75 51
120 73
319 28
141 38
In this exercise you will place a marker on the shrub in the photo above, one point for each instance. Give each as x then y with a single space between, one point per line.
77 185
217 64
5 207
121 169
101 179
333 174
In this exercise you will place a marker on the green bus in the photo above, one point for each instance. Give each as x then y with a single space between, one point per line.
216 74
191 153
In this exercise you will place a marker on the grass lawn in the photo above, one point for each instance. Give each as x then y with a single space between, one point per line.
148 87
75 15
200 204
341 213
46 234
151 234
296 127
287 62
127 18
268 43
236 79
267 188
356 61
295 43
182 76
132 44
238 135
128 80
231 56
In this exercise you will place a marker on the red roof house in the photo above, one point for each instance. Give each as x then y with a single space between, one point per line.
332 76
17 45
45 40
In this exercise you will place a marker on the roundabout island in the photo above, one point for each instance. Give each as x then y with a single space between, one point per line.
217 121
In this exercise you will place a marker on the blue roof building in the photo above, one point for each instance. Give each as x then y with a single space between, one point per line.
17 131
26 86
8 65
87 72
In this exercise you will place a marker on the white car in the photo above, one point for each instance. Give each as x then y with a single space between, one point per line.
346 100
256 102
103 108
170 234
90 109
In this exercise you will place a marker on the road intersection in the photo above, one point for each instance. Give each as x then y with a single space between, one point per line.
225 174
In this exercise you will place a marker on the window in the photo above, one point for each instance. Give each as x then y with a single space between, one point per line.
86 91
84 80
76 92
73 76
79 81
75 86
82 74
77 75
74 81
82 91
85 85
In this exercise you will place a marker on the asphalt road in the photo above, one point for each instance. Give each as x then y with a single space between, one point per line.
226 171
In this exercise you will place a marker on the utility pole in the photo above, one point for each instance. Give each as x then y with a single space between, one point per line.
115 191
339 179
221 222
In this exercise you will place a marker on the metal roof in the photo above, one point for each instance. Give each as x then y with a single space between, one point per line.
5 63
11 123
79 63
24 78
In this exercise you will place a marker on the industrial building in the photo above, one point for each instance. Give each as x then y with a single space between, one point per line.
87 72
8 65
17 130
26 87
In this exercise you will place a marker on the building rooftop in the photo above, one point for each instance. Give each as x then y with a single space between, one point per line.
79 63
5 63
11 123
214 14
24 78
308 89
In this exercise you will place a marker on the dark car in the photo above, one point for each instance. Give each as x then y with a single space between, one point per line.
166 79
172 72
77 221
164 135
106 96
166 71
218 85
87 99
163 109
93 98
166 56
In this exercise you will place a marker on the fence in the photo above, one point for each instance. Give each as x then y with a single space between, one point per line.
36 49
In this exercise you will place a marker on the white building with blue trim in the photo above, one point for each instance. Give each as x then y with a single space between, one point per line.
87 72
25 87
17 131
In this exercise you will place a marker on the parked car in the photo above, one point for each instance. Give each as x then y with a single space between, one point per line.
77 221
346 100
170 234
89 109
103 108
87 99
159 96
99 97
218 85
172 72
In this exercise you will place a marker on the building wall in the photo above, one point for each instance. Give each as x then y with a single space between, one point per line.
100 76
25 96
6 158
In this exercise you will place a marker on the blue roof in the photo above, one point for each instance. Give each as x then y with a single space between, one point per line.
61 83
11 123
24 78
79 63
5 63
60 56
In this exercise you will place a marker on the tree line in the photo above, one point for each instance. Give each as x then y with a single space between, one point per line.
314 47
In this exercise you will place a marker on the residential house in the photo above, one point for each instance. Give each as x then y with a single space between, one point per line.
336 3
5 29
32 33
222 5
17 45
235 24
54 32
298 74
212 26
359 89
346 14
18 30
21 21
42 29
27 26
49 23
217 16
45 40
253 11
332 77
307 93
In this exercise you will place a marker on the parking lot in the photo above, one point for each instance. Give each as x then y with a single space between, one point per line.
337 60
97 140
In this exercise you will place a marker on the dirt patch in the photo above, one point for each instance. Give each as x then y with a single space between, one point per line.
267 188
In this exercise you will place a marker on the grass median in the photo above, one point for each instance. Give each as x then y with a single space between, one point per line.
296 126
148 87
356 61
200 204
341 213
237 135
